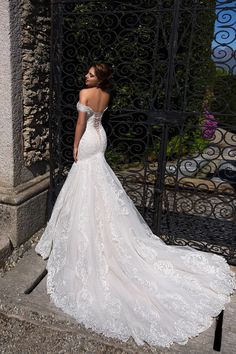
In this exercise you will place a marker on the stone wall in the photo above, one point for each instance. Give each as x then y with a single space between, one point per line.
24 113
35 36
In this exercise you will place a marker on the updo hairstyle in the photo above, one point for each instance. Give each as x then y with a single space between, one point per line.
104 73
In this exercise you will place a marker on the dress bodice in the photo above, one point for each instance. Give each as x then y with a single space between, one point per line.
94 118
94 139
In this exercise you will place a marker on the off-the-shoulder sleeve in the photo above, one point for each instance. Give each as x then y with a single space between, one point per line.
82 108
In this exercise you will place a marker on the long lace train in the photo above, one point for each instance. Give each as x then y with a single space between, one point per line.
110 272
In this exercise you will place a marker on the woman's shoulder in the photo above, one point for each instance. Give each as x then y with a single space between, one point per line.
83 93
87 92
91 91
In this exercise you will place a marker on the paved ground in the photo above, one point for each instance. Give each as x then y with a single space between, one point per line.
30 324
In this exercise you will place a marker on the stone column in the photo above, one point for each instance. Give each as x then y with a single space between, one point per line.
23 188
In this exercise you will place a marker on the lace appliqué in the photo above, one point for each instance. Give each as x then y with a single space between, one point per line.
97 124
110 272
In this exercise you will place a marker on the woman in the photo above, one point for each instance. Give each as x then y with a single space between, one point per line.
105 266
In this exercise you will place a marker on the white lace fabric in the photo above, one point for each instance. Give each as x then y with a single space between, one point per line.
110 272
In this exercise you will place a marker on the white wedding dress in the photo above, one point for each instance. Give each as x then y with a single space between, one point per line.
110 272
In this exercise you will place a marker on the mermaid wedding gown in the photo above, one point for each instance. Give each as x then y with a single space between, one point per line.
111 273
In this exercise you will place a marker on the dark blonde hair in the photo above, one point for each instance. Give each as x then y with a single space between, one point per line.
104 73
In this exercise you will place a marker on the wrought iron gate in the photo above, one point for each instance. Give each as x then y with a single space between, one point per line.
172 123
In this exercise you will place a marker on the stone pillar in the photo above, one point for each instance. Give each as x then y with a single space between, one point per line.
23 188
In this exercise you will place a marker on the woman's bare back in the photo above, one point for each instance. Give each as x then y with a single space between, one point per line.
96 98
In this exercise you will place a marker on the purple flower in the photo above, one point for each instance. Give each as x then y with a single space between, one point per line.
209 125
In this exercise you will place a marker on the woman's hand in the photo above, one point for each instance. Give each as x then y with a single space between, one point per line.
75 152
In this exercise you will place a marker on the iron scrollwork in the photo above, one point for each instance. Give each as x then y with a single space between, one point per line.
172 125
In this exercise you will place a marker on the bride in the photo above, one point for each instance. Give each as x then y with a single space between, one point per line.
105 266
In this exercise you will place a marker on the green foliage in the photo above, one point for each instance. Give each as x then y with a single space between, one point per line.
141 81
137 46
202 68
224 103
191 142
185 143
115 158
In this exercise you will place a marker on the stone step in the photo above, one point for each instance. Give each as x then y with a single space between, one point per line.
36 318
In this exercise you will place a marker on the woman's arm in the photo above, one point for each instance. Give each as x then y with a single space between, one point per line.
79 131
80 126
